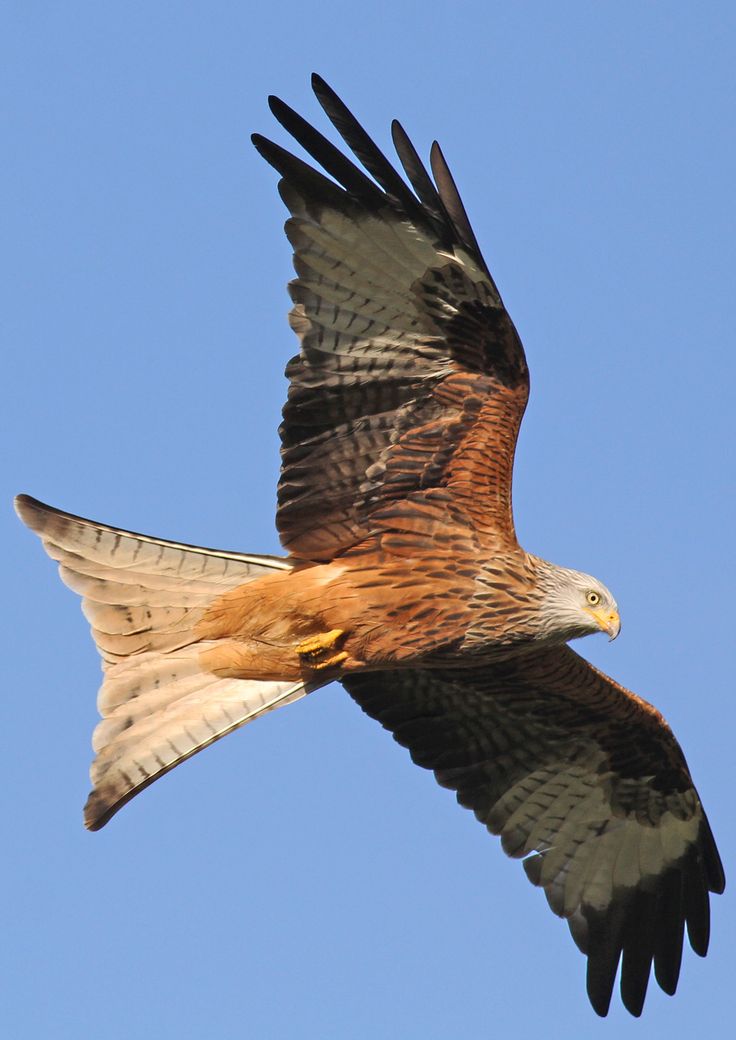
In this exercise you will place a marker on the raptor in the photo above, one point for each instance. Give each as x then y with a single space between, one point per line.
404 579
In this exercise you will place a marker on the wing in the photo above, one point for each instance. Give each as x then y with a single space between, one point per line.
586 782
411 376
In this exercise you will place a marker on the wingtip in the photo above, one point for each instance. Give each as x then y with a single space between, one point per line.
667 980
275 103
261 144
324 92
599 997
635 1008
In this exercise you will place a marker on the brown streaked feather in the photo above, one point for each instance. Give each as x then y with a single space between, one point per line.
586 782
411 376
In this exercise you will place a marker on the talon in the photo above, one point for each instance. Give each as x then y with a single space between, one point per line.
328 662
316 649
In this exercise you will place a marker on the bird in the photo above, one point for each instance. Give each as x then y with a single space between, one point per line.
403 577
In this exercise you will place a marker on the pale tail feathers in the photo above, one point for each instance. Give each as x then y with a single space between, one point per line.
143 598
142 738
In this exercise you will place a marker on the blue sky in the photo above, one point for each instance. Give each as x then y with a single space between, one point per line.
302 878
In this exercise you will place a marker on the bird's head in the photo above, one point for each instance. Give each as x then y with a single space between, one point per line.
575 604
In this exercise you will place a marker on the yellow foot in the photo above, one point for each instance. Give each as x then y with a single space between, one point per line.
315 651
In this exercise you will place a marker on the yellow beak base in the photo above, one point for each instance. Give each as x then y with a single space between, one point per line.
607 620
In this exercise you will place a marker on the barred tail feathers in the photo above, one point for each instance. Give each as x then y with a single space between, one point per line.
143 598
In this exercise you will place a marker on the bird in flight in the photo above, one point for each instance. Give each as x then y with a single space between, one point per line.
404 579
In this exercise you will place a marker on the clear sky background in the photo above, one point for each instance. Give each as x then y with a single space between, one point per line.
302 878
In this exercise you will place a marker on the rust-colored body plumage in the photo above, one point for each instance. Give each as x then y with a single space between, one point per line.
404 579
403 598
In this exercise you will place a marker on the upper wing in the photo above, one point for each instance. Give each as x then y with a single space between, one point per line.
587 782
411 375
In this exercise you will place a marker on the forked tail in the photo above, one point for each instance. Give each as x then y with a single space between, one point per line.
143 598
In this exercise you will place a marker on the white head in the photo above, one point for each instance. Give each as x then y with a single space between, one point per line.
575 604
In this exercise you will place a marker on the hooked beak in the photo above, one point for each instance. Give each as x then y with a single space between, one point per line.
608 621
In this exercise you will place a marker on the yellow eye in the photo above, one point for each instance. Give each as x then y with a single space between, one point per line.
593 598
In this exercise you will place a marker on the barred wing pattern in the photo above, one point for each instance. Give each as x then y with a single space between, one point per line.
583 779
411 375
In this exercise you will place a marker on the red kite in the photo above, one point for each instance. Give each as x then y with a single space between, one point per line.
404 579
